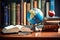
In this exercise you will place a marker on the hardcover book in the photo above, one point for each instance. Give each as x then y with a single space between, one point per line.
50 28
39 3
31 2
28 8
18 17
0 13
6 15
9 9
35 4
43 6
52 5
16 29
25 12
13 13
22 11
47 9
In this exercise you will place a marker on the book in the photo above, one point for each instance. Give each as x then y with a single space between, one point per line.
18 17
52 5
9 9
6 15
25 12
39 3
0 13
43 6
13 13
51 26
28 5
31 2
54 21
35 4
16 29
22 12
47 9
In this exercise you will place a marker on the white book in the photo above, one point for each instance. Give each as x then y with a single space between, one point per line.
47 9
15 29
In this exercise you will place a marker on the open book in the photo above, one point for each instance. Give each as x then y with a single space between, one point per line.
15 29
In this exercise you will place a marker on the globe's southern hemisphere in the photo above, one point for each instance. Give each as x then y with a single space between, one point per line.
35 16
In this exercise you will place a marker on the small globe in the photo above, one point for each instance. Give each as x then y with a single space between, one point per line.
35 16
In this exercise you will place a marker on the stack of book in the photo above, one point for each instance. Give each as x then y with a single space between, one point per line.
51 24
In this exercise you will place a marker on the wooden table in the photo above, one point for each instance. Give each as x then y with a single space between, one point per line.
31 36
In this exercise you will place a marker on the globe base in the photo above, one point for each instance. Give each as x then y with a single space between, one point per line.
35 29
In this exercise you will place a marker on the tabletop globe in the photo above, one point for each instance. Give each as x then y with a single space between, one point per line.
35 16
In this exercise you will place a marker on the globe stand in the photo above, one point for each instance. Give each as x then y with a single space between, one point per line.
35 29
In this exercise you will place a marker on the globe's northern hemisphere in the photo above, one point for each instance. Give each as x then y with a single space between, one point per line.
35 16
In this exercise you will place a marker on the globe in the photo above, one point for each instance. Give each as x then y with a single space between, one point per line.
35 16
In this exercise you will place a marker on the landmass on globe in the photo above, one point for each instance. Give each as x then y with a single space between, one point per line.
35 16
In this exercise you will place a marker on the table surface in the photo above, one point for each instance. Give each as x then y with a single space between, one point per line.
33 34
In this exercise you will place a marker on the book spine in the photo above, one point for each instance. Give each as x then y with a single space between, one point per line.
9 12
51 26
31 2
13 13
22 12
18 14
52 4
0 13
43 6
6 15
47 9
35 4
28 8
39 4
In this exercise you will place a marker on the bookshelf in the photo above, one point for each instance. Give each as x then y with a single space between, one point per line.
13 12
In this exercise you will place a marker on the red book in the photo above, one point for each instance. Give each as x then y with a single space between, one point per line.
18 14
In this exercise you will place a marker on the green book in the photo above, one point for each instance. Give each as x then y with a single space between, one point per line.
39 4
31 2
13 13
43 6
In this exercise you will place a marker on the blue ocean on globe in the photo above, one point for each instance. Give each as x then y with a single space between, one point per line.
35 16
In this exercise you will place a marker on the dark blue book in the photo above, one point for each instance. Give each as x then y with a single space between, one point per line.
0 13
6 15
52 4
